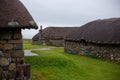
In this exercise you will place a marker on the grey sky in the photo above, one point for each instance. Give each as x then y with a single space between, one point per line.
69 12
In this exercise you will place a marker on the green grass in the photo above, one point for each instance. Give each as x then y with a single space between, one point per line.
28 45
56 65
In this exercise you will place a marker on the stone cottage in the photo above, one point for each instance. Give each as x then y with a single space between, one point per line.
13 18
98 39
52 35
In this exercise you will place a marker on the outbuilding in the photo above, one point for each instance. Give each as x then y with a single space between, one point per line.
98 39
53 36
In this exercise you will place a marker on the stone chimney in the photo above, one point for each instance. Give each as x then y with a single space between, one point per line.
41 28
40 33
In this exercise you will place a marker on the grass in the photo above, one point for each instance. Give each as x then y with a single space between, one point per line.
28 45
54 64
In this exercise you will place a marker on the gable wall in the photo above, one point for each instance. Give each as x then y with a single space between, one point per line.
12 66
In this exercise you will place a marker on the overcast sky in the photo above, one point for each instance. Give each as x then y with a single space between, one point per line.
69 12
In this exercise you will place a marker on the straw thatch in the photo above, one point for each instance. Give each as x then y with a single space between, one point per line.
106 31
55 33
14 14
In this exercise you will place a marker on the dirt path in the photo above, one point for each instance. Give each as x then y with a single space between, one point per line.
29 53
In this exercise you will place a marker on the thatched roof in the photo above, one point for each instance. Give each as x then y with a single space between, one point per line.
36 37
13 13
106 31
55 33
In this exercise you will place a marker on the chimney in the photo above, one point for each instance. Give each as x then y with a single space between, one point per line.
41 28
40 33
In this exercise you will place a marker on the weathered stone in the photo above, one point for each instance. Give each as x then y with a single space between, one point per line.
6 36
14 60
4 62
17 54
4 75
17 46
1 46
7 47
23 69
10 60
15 41
1 54
7 54
4 78
17 36
12 67
2 41
11 75
20 60
1 70
0 74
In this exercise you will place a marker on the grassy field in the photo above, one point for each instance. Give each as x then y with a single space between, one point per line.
27 44
54 64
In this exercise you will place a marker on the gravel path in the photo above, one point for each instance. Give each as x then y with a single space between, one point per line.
29 53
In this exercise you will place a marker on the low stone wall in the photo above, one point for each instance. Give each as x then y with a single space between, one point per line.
57 42
106 52
35 42
49 42
12 66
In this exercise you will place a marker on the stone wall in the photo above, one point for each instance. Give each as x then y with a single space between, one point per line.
49 42
57 42
12 66
41 42
35 42
106 52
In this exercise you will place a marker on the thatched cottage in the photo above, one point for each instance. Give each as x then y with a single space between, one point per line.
52 35
99 39
13 18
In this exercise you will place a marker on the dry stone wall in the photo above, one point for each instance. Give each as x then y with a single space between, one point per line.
12 66
106 52
53 42
57 42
